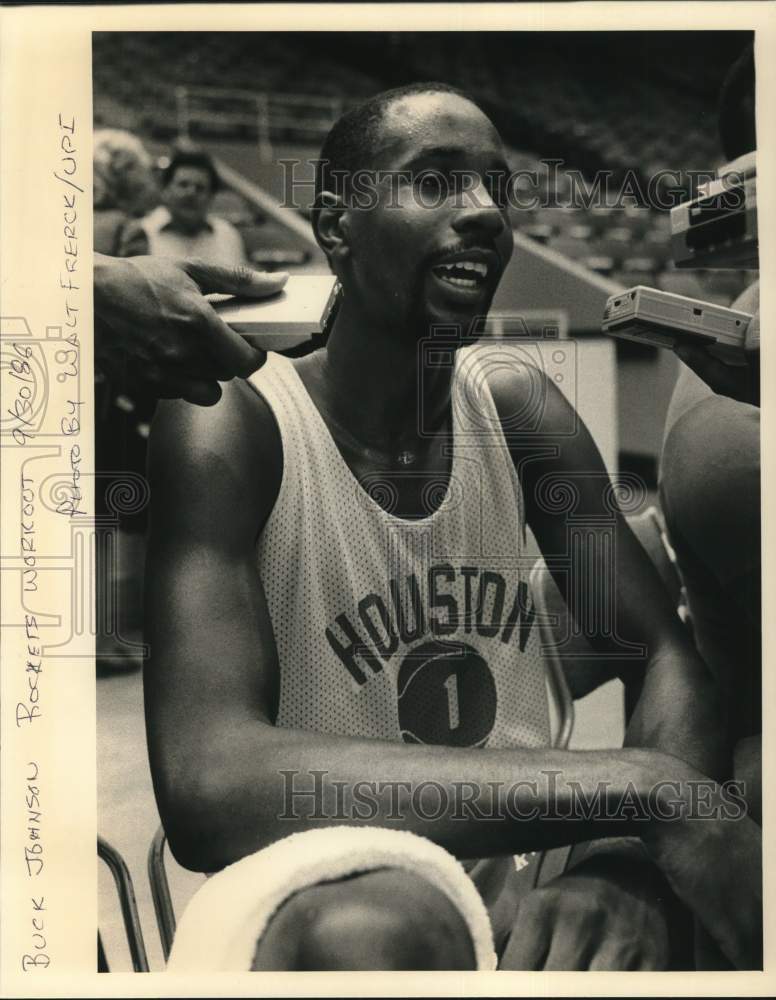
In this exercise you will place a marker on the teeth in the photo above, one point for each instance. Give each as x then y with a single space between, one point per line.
463 282
467 265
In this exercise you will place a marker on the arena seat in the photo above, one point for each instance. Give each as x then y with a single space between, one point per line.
628 279
600 264
574 116
539 232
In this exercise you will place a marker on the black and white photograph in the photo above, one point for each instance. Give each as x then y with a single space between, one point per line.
427 402
384 559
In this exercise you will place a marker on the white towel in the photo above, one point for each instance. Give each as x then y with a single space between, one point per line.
225 918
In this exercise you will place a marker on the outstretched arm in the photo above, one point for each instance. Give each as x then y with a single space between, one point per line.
609 583
591 550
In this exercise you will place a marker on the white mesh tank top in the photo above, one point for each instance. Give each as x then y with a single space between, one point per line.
418 631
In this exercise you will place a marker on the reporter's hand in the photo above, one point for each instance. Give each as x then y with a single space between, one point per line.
739 382
154 329
606 914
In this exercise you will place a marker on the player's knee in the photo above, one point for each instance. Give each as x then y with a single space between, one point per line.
387 920
363 934
390 920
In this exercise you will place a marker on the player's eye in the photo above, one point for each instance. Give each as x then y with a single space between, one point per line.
433 186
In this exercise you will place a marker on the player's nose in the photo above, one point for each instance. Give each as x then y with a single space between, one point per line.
478 211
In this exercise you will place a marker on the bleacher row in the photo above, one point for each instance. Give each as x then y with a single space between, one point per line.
544 109
601 112
629 245
140 72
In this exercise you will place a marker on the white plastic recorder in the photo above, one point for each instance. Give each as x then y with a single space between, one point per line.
302 311
718 229
662 319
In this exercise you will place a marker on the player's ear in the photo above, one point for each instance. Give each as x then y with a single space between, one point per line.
330 225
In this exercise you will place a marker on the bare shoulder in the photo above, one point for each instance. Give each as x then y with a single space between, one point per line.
527 401
227 459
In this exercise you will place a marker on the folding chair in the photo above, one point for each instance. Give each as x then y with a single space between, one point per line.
129 911
561 705
160 891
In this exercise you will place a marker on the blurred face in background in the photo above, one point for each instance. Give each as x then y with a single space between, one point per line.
188 197
122 173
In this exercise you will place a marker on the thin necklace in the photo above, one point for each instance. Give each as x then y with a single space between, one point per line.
404 458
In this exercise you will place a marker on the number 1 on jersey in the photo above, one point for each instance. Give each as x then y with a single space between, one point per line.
451 686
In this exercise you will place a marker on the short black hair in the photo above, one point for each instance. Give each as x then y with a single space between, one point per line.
192 158
352 139
737 130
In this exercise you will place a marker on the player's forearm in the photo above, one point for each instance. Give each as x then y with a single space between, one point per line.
265 783
679 711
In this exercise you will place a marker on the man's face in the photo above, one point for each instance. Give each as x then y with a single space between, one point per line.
188 197
433 249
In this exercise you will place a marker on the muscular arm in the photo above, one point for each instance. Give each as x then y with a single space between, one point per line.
211 683
211 690
678 709
610 585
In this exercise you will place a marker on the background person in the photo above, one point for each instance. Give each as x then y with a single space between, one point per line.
710 489
124 186
183 225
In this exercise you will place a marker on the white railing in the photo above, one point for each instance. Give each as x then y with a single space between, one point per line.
267 116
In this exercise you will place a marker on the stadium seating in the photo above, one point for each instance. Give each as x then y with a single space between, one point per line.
548 100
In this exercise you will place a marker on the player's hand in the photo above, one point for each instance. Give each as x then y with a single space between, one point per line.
740 382
604 914
714 865
155 331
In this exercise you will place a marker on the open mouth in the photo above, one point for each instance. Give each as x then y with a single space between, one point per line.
470 275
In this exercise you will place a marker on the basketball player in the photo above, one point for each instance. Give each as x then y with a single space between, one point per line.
334 590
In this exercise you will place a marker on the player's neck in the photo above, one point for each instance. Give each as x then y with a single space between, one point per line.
373 381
